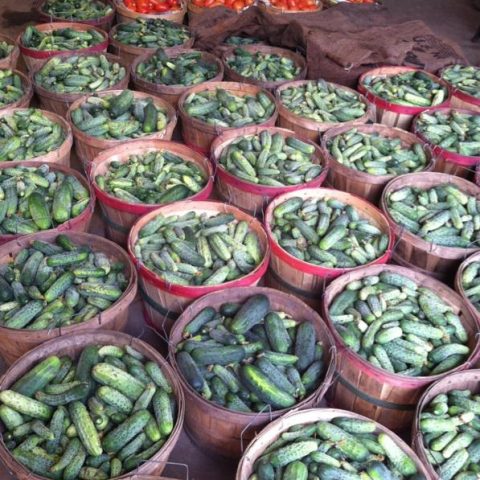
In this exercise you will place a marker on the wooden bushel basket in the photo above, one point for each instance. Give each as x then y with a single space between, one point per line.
16 342
59 156
271 433
410 249
269 8
33 57
10 61
130 53
124 14
171 93
365 185
232 76
79 223
306 127
462 99
252 197
469 380
72 345
306 280
195 11
60 102
445 160
386 397
26 98
223 431
459 284
119 215
88 147
163 301
104 23
393 114
200 135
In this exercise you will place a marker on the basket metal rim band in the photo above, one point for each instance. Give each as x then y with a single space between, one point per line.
155 305
375 401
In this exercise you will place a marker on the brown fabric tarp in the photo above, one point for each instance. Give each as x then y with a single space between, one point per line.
339 43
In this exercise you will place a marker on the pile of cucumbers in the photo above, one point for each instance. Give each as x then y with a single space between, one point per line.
5 49
326 232
119 116
28 133
376 154
266 67
56 284
37 198
412 88
323 102
452 130
197 249
151 33
465 78
241 40
11 87
94 417
155 177
60 39
249 357
79 73
450 434
399 326
343 448
443 214
226 109
471 282
73 10
184 69
271 160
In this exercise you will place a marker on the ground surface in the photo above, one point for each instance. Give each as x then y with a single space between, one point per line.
454 19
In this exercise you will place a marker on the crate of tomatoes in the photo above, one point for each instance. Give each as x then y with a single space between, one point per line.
292 6
196 7
129 10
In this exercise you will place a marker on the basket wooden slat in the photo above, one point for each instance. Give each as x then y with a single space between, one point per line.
124 14
200 135
61 155
307 280
33 57
233 76
120 215
72 345
223 431
393 114
359 183
271 433
61 102
307 127
445 160
386 397
104 23
130 53
413 249
469 380
163 302
16 342
251 197
10 61
88 147
171 93
79 223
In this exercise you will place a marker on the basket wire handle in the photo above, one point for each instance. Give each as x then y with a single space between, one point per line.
247 427
165 463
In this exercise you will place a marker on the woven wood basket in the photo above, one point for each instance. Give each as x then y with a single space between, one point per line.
16 342
462 99
119 215
414 250
171 93
88 147
386 397
223 431
72 345
124 14
26 98
271 9
10 61
459 284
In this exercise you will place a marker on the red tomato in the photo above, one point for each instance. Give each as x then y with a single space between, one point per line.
238 5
